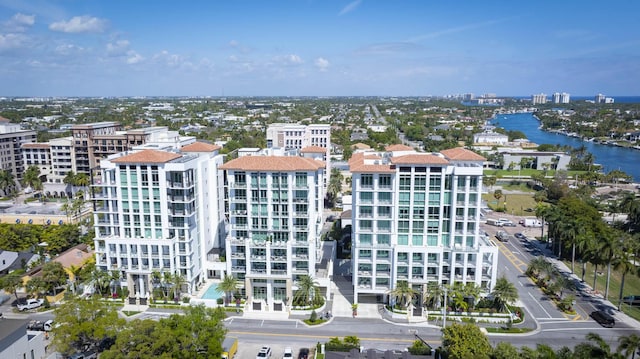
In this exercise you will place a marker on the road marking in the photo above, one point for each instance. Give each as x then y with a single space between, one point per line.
534 298
511 257
577 317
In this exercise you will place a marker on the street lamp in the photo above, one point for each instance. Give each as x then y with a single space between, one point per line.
444 316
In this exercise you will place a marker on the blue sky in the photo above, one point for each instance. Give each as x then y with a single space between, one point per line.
318 47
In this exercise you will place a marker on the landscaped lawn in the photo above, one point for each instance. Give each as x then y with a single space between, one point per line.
631 285
516 203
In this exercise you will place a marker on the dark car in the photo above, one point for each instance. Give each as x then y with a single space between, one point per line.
303 354
603 318
520 235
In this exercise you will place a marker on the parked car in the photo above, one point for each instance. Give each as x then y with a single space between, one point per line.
603 318
265 352
288 353
632 300
30 304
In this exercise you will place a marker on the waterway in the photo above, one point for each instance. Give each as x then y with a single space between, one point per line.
609 157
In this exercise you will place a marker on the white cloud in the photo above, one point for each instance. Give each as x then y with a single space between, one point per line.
288 60
118 48
134 57
238 47
321 63
12 41
67 49
350 7
19 22
79 24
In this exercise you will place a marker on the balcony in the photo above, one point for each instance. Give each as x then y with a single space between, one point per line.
238 269
280 272
239 185
238 255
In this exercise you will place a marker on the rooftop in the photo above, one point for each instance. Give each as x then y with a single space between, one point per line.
147 156
273 163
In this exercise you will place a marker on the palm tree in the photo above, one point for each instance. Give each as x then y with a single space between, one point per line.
489 181
403 293
31 178
178 281
609 248
228 286
472 291
308 289
623 263
497 194
433 297
629 345
7 181
504 293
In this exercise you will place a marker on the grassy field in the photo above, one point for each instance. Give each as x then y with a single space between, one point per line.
516 204
631 285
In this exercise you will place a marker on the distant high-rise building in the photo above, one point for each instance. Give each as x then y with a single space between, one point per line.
599 98
467 97
561 97
539 99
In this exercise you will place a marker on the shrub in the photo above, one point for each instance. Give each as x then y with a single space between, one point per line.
220 301
313 317
419 348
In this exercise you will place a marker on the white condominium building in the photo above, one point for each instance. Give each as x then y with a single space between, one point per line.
416 218
275 206
538 99
158 210
12 137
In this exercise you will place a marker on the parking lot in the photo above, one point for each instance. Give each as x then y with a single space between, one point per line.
250 350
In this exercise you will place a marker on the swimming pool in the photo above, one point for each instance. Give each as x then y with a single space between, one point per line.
212 292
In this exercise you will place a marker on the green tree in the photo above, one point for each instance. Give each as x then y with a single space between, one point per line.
32 179
629 345
228 286
53 275
497 194
85 323
623 263
461 341
505 350
7 182
403 293
11 282
433 297
142 339
308 291
489 181
595 347
504 293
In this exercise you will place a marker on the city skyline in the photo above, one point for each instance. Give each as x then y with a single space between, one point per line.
317 48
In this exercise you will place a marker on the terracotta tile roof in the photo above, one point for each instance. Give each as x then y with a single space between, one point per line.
462 154
398 147
36 145
200 147
147 156
273 163
313 149
357 164
419 159
360 146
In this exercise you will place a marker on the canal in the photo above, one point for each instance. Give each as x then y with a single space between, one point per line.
610 157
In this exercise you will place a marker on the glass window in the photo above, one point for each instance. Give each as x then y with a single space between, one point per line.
384 181
403 239
384 197
416 240
366 181
366 197
365 238
405 198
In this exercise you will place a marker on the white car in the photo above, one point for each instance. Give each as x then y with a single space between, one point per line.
265 352
288 353
30 304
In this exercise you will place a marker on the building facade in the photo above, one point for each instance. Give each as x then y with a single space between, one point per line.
158 210
416 218
539 99
275 206
12 137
